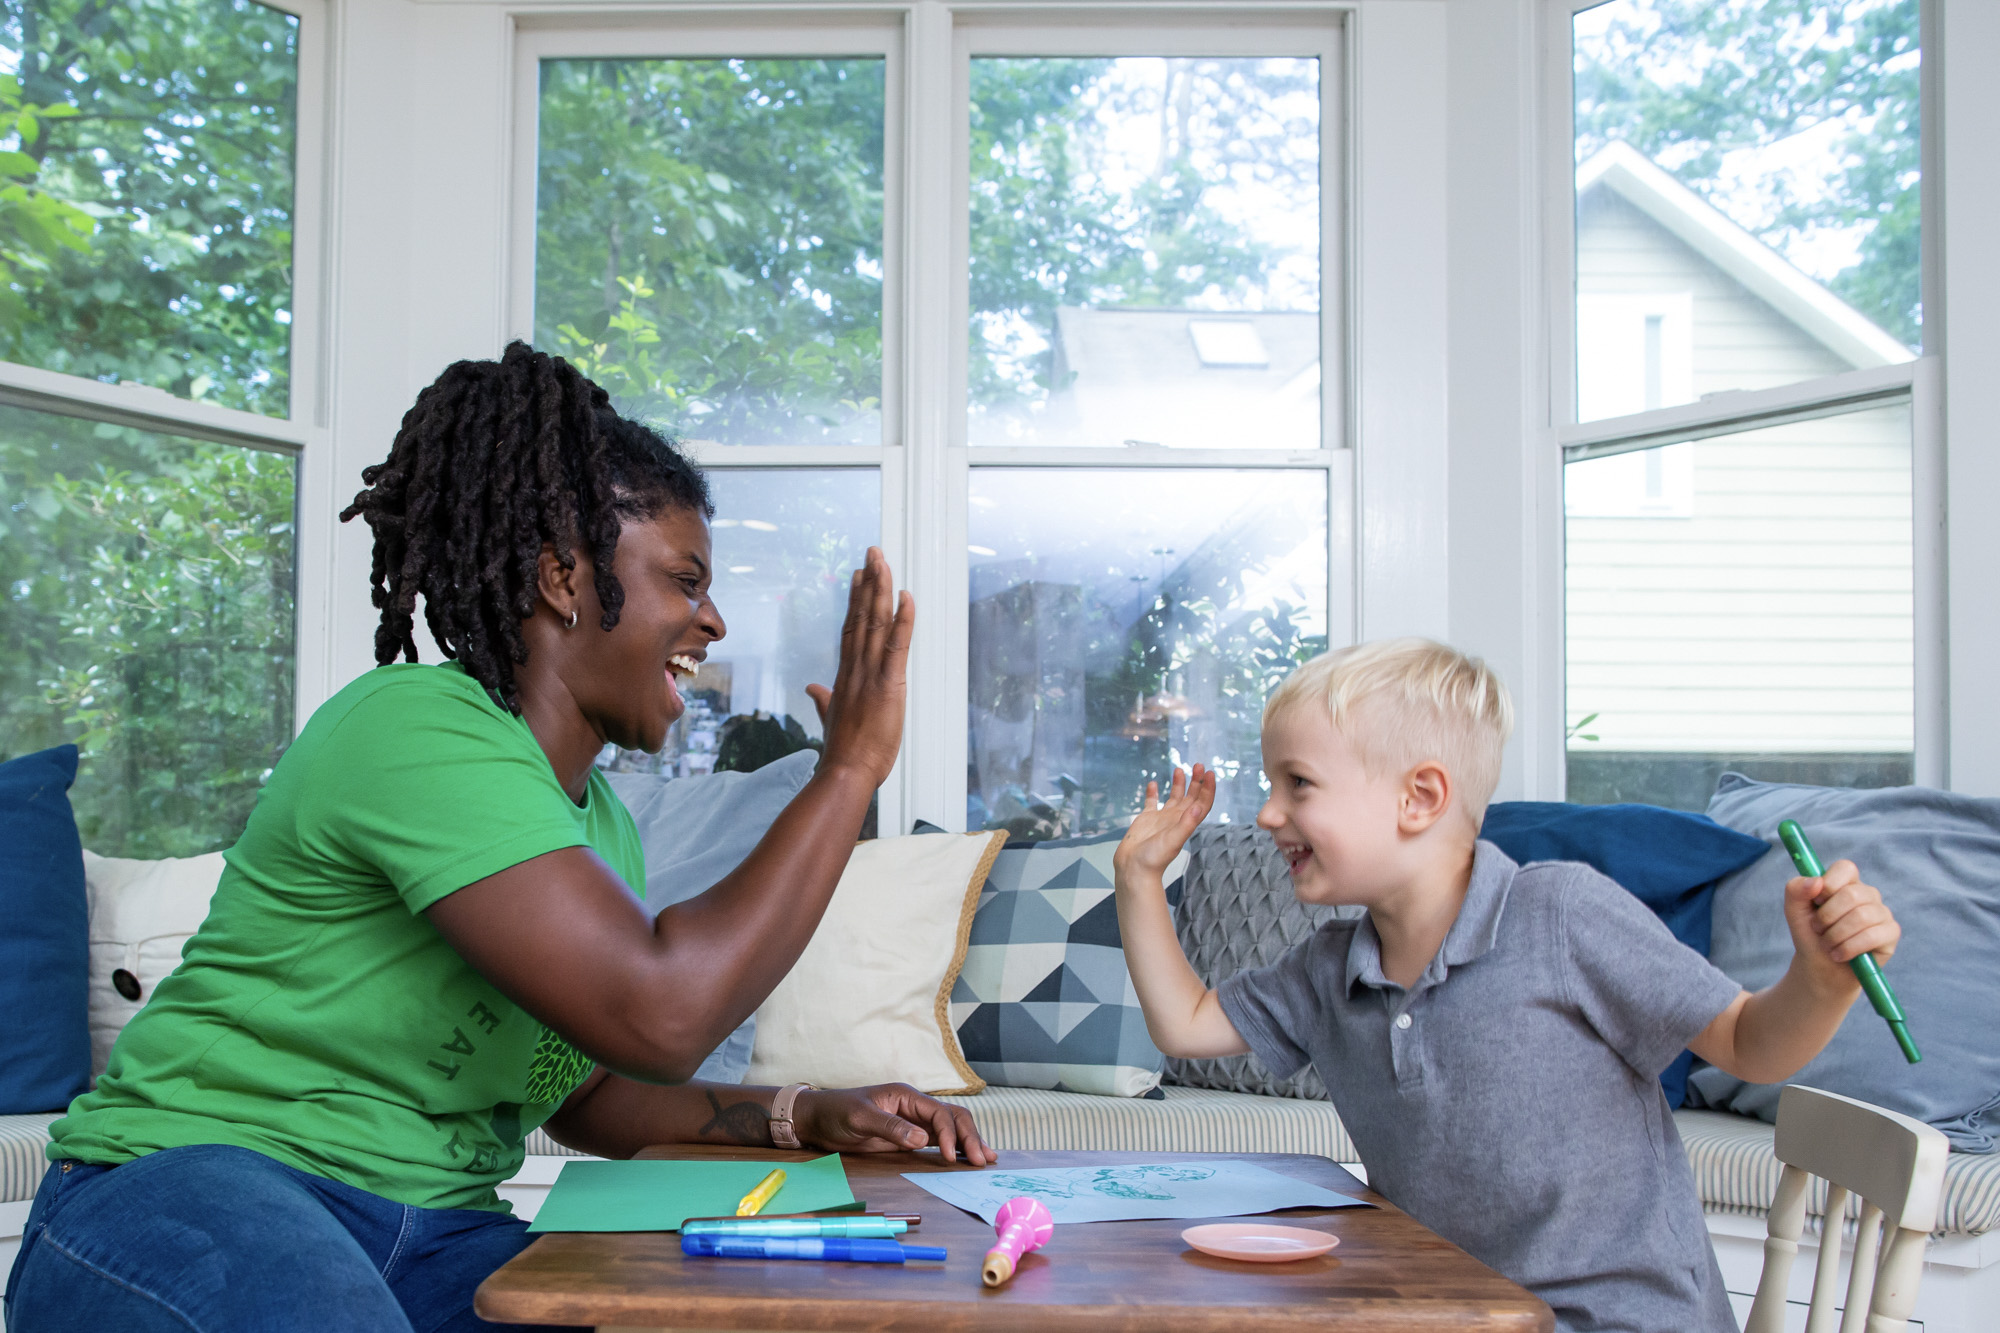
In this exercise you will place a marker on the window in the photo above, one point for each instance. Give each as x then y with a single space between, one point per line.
1147 236
1070 367
1742 566
708 242
710 247
151 242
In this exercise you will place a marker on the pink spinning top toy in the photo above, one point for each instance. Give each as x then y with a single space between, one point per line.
1023 1224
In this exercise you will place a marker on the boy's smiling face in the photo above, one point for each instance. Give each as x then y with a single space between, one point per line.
1337 825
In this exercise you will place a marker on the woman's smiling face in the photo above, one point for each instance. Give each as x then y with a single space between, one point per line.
632 688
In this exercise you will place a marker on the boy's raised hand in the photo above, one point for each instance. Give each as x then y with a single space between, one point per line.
1834 919
1161 829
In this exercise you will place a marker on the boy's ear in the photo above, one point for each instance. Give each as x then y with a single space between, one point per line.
1426 797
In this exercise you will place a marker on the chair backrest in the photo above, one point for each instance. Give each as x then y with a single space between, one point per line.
1895 1165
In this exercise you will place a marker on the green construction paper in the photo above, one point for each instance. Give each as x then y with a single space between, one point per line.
659 1196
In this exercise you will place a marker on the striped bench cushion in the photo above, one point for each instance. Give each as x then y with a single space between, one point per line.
22 1139
1734 1167
1736 1172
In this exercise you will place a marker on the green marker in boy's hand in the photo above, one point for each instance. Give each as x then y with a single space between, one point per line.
1865 969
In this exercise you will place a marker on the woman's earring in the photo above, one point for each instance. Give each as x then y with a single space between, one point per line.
572 619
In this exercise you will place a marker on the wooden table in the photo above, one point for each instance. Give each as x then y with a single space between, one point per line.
1388 1273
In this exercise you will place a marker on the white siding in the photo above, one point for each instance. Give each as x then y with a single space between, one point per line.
1777 615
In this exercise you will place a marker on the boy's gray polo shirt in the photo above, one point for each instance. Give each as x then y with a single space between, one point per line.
1511 1100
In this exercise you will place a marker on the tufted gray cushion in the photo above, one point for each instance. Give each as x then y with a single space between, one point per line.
1238 912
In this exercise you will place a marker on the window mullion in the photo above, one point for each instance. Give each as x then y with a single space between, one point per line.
932 517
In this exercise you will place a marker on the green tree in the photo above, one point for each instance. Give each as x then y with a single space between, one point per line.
1051 225
709 241
1688 81
147 619
171 124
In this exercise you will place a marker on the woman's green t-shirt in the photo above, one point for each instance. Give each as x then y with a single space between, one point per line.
317 1016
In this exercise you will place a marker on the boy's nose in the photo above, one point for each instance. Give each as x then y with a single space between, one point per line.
1269 818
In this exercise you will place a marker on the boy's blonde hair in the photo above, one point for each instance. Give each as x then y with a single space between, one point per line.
1401 701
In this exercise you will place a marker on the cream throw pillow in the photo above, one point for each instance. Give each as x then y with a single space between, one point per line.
870 999
141 916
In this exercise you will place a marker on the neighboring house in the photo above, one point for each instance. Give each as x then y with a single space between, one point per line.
1748 595
1202 379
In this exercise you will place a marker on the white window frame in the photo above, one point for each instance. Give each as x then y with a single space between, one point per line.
1914 382
925 464
302 433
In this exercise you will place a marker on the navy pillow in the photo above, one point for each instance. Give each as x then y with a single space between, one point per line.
1668 859
45 941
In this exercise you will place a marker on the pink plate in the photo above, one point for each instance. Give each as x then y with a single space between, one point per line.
1259 1242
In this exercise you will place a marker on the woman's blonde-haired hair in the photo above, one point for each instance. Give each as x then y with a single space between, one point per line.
1399 702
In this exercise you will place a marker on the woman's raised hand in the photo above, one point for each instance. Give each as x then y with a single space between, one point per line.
862 715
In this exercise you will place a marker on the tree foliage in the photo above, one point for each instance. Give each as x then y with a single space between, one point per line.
147 620
709 241
1055 222
1687 82
171 125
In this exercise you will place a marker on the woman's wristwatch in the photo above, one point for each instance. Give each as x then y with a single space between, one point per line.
783 1134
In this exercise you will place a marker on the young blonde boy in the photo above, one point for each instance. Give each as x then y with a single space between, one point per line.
1491 1034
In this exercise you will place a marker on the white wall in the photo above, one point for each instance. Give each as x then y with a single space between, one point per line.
1503 575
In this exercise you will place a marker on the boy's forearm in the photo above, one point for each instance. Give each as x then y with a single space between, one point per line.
1182 1014
1779 1029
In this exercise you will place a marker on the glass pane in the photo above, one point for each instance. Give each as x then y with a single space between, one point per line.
1145 240
1747 211
1742 603
147 232
148 620
708 242
1125 621
785 544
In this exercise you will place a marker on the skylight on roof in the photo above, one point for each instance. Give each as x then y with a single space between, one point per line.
1227 342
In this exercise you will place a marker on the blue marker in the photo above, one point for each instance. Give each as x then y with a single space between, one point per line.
859 1250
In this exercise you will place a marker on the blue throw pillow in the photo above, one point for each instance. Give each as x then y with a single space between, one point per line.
45 938
695 831
1935 855
1667 859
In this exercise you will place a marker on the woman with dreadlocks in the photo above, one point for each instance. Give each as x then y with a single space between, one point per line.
424 945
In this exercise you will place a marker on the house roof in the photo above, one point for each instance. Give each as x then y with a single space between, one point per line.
1645 185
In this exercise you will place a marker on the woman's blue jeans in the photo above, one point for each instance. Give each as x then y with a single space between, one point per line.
216 1239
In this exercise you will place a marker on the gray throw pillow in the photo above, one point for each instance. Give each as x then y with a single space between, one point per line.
1238 912
1935 856
697 830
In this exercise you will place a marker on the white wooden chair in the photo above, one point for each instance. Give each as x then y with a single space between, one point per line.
1896 1166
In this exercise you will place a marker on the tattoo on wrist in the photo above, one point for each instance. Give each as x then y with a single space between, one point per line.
739 1122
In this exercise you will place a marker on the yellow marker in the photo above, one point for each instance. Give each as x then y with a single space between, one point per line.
753 1202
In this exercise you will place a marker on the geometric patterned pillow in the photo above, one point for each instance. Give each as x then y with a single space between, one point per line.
1044 1000
1238 911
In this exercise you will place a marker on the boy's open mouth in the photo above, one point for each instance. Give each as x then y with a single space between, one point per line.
1296 857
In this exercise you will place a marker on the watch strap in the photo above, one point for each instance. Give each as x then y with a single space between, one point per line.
783 1134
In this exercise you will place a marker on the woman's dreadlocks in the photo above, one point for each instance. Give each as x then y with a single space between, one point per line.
496 460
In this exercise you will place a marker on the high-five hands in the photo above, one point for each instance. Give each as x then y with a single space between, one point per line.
1161 829
862 715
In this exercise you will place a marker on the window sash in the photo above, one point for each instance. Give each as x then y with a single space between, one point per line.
304 431
923 458
1919 382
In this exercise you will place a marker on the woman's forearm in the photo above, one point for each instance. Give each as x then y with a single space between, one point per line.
616 1117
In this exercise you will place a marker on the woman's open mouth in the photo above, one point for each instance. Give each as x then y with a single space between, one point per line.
680 664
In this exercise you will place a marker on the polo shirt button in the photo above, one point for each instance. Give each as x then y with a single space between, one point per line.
1402 1020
